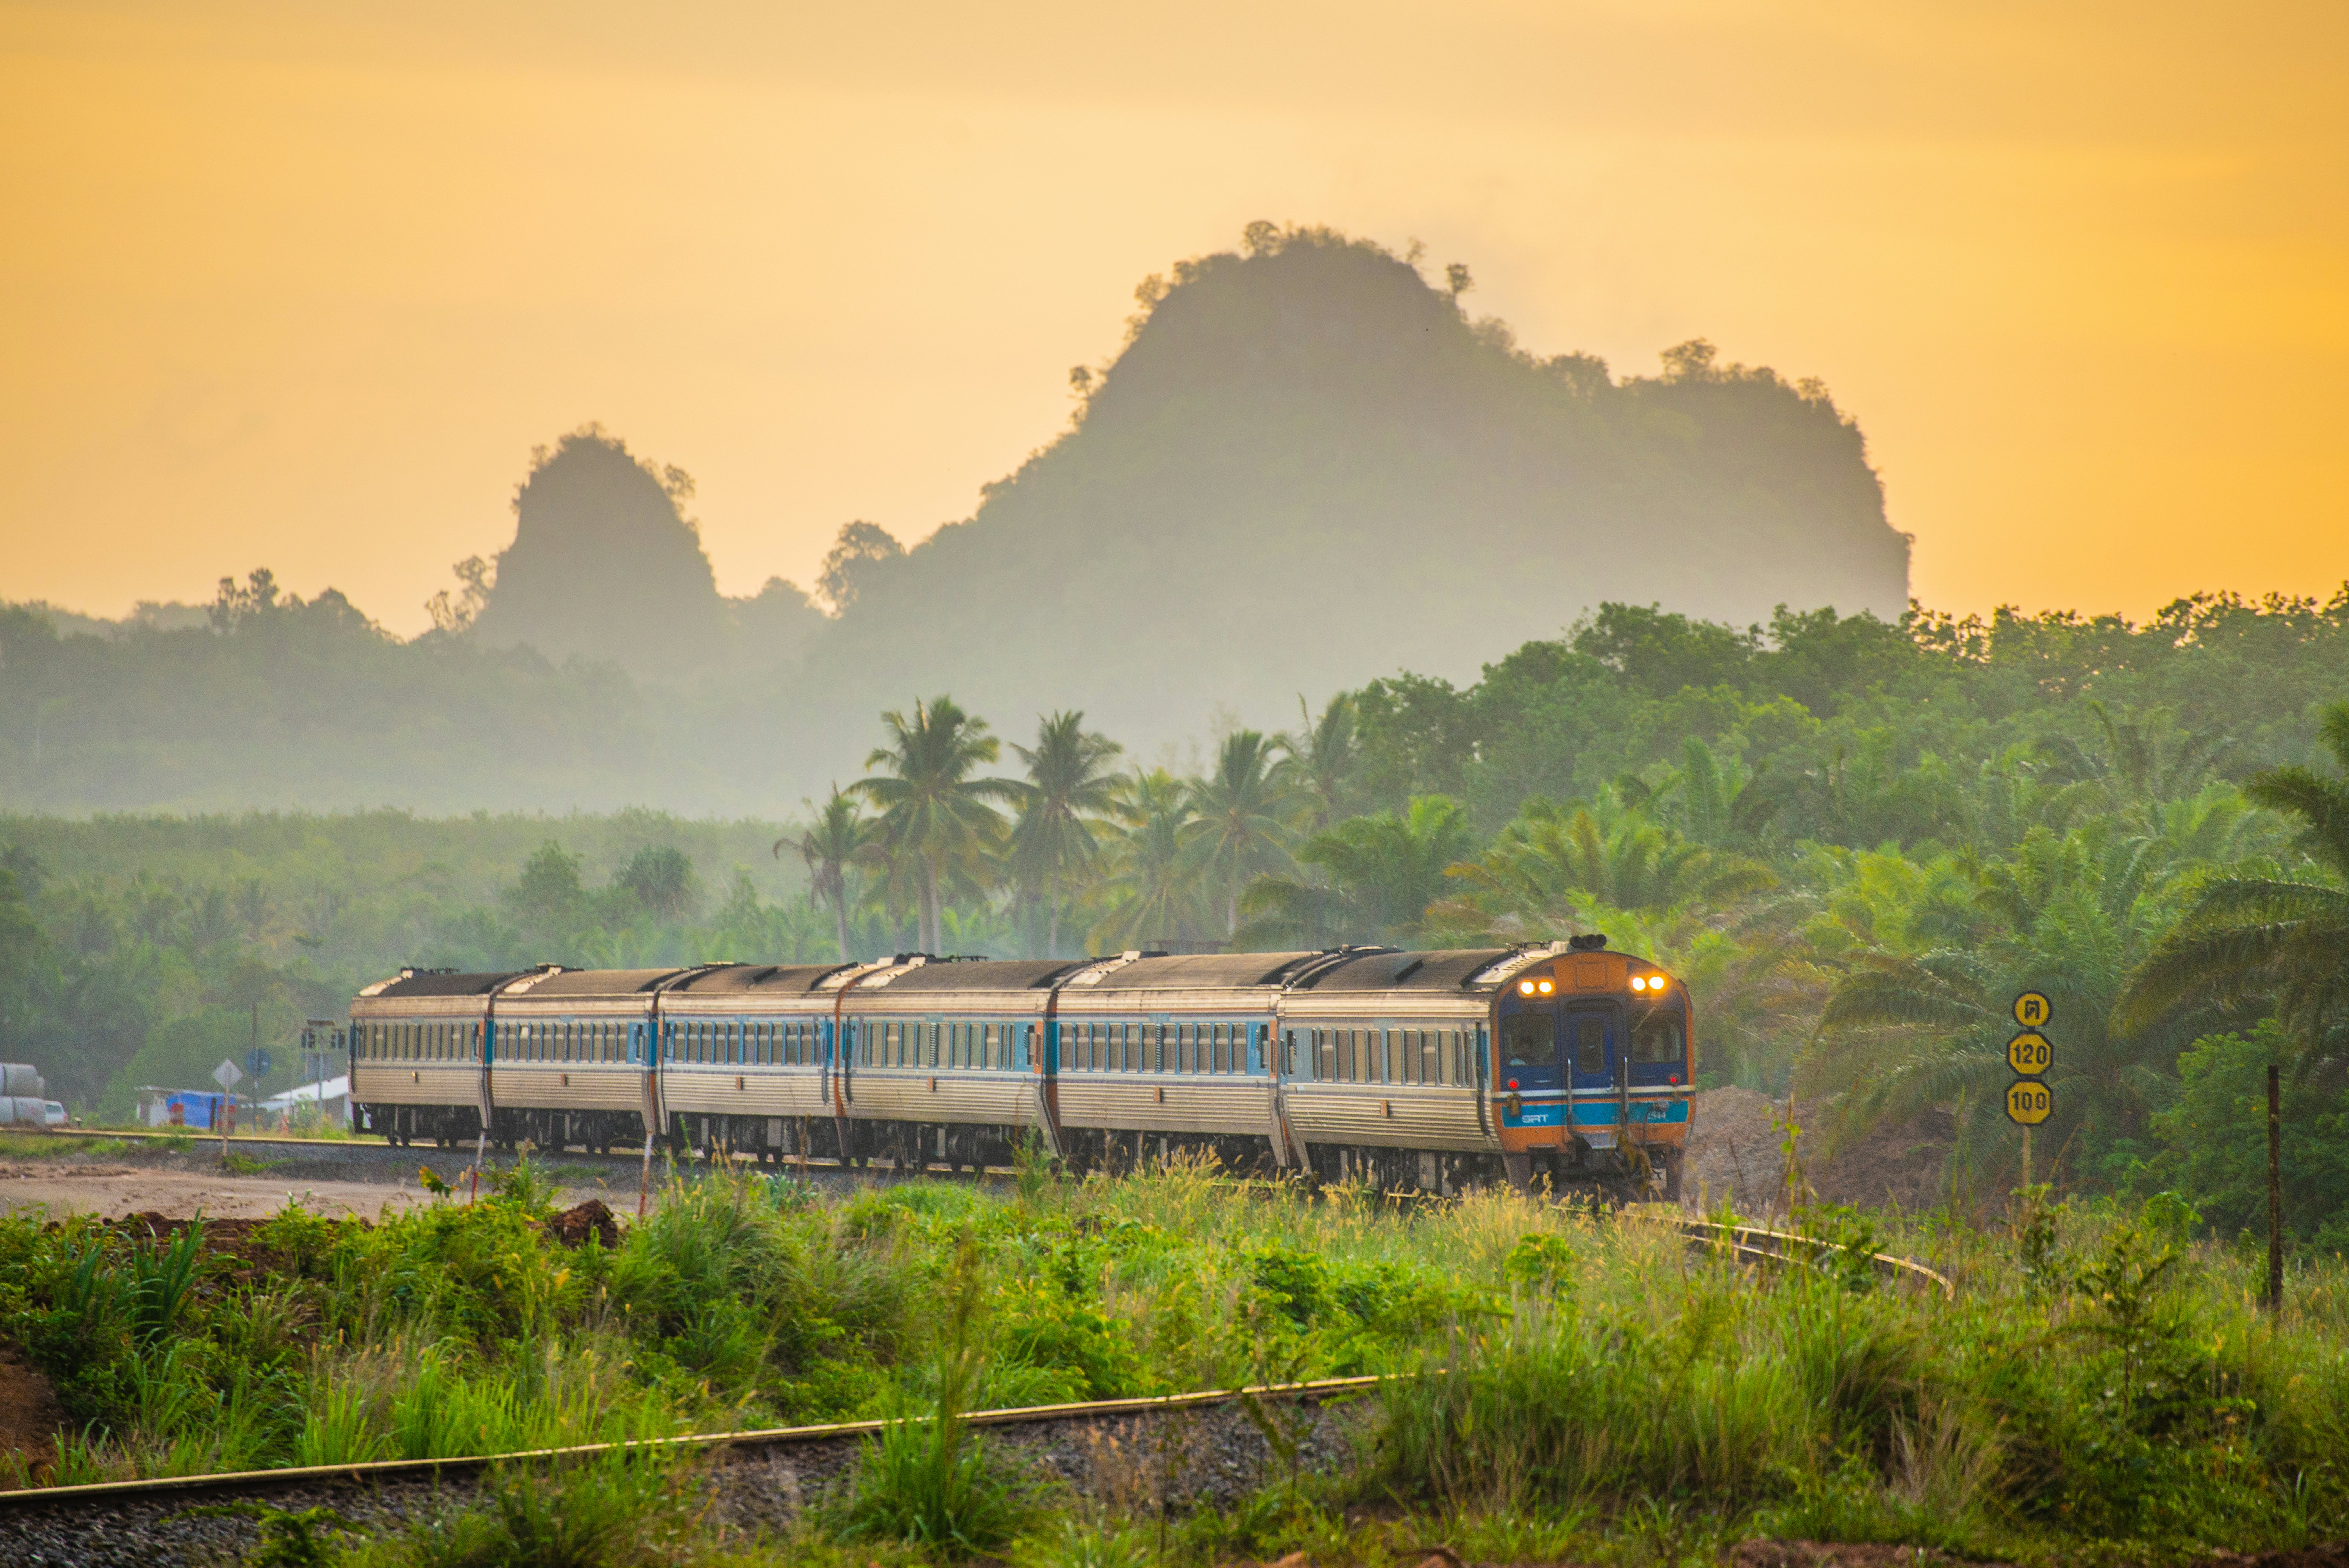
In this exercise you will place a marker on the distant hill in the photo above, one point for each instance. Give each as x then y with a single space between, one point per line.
1308 467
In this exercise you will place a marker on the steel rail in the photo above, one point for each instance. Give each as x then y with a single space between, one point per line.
1783 1245
396 1469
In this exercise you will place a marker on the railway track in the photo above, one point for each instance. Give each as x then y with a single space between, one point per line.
1204 1447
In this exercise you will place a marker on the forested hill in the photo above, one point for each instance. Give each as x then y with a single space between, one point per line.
1308 463
1305 468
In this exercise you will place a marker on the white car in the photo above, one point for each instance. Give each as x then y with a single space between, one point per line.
52 1114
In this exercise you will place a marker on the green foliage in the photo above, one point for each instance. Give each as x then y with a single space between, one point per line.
617 1510
2212 1142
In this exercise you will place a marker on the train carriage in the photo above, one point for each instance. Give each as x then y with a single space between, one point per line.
1156 1051
1383 1055
570 1058
947 1060
746 1058
417 1061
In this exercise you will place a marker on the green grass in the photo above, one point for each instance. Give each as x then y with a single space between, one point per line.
1588 1388
50 1145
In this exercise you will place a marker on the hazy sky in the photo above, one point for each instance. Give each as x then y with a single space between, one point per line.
302 285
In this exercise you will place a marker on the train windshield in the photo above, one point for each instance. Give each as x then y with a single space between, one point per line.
1529 1051
1659 1048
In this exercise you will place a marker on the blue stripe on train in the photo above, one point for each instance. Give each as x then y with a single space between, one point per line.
1595 1113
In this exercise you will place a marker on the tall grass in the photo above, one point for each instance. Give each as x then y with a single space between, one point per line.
930 1481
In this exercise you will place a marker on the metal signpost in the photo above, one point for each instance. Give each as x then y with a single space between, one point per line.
2030 1054
226 1075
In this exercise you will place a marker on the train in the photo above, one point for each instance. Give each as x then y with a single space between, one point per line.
1566 1065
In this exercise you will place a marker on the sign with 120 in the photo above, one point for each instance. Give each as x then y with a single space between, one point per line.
2030 1055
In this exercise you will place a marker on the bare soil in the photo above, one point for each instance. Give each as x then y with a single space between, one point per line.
30 1419
1737 1153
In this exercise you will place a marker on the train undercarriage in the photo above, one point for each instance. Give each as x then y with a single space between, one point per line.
1579 1173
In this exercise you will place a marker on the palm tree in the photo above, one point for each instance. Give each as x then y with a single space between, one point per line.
1379 875
1323 756
838 837
1151 892
1068 787
933 816
1905 1032
1241 827
1712 800
1554 857
2249 939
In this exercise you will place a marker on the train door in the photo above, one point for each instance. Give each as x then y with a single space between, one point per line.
1594 1046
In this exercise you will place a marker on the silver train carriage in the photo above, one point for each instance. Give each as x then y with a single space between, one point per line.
1565 1062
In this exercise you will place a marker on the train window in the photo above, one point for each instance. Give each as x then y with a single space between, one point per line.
1325 1054
1405 1055
1529 1042
1657 1038
1589 1045
1220 1058
1430 1056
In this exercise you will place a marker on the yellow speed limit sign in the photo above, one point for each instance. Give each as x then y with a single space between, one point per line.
2033 1010
2029 1054
2028 1102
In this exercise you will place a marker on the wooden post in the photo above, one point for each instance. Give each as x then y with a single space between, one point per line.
2026 1156
2275 1190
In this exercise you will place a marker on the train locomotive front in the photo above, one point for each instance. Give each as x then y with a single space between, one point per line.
1563 1066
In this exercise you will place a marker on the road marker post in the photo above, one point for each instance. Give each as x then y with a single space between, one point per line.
2028 1055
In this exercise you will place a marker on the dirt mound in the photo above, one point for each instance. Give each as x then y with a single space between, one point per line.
574 1226
1733 1150
30 1419
1737 1152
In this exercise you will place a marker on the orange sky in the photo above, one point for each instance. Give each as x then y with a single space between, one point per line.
300 285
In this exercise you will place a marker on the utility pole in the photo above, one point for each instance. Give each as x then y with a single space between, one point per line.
2275 1190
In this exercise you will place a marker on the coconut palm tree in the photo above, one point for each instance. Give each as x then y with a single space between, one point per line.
1068 788
1241 827
2252 939
838 837
1151 892
1378 875
935 818
1322 757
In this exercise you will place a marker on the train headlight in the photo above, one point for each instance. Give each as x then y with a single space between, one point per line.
1545 988
1525 988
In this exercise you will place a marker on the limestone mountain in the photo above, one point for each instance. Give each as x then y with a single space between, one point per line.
605 565
1308 467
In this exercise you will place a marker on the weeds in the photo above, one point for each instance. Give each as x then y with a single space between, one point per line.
931 1482
1595 1388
